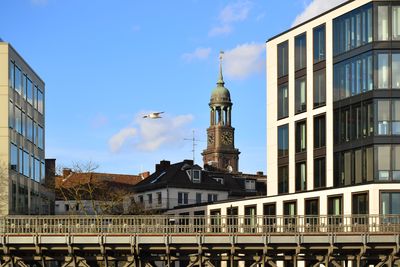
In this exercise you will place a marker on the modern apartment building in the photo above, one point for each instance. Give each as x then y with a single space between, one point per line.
333 116
22 128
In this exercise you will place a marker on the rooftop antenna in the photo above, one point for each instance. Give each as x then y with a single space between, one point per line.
194 144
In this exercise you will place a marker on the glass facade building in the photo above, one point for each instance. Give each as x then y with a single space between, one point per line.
25 146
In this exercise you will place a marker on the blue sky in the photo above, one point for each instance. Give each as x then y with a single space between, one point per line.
107 62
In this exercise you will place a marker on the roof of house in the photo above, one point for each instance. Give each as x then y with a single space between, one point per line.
177 176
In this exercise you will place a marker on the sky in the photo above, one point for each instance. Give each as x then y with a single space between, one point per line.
106 63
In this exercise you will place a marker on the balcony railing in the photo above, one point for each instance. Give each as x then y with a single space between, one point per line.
163 224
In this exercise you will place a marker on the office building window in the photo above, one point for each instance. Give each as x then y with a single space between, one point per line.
150 198
396 117
301 136
383 23
283 140
301 176
14 157
360 204
300 95
345 125
29 129
183 198
335 206
358 166
289 209
40 100
390 203
11 75
18 80
319 88
283 180
29 90
40 137
283 59
319 131
300 51
26 164
18 120
396 23
319 43
20 160
312 207
11 116
352 30
283 101
198 198
383 114
37 170
383 162
319 173
395 71
383 71
353 76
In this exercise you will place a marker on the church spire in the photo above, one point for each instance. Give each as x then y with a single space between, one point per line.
220 81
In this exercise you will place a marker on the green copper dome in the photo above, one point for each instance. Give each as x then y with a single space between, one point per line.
220 93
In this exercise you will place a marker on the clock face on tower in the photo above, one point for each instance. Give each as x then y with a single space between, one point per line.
227 138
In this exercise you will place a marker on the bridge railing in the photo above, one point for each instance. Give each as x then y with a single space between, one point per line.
216 224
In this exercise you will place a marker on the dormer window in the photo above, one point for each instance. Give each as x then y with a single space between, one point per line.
219 180
195 175
250 185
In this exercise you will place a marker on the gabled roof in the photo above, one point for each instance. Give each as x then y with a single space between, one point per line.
176 175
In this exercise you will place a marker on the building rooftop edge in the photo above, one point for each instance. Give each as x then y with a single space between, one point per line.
26 63
309 20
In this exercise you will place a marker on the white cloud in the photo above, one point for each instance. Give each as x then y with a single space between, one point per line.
200 53
238 11
168 131
234 12
119 139
220 30
244 60
315 8
149 135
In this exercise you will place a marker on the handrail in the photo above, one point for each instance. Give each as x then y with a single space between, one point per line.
216 224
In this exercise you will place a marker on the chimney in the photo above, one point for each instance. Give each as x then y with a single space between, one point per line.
188 161
50 173
66 172
260 173
163 165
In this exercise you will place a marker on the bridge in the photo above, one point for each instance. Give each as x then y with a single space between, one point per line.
147 241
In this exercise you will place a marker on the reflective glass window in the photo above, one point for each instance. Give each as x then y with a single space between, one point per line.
283 140
42 170
319 173
383 71
319 43
13 157
37 170
40 137
396 162
40 101
383 115
300 51
383 162
347 168
335 206
29 129
301 176
396 117
21 160
383 23
11 75
283 180
360 204
396 22
358 166
18 80
29 91
369 163
283 59
300 95
319 131
18 120
26 164
283 102
395 70
319 88
11 117
390 203
301 136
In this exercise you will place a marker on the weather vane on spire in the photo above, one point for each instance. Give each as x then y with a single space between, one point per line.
221 57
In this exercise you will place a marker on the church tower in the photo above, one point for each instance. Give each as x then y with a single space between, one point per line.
221 152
